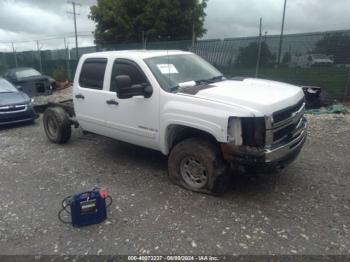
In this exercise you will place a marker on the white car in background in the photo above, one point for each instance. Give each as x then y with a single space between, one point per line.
312 60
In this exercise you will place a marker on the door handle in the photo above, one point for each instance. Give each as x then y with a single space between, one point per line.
112 102
79 96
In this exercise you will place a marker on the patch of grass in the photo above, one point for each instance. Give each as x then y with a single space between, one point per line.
332 79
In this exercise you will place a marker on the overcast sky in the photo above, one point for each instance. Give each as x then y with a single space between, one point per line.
22 20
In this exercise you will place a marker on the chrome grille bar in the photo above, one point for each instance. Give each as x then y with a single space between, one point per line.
12 109
272 128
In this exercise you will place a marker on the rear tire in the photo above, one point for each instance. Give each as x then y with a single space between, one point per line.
57 125
197 164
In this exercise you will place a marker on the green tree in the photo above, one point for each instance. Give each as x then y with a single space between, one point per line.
126 20
336 45
247 56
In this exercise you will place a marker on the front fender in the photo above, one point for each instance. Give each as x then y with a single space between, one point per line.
209 117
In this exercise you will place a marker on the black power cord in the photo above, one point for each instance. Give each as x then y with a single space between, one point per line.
66 203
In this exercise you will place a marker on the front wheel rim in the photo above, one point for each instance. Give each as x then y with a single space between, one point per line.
193 172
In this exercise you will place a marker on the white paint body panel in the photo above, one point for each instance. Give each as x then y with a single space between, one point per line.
135 120
263 97
145 121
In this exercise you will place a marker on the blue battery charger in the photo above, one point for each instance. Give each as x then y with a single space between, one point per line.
86 208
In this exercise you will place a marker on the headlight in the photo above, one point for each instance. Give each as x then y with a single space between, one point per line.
254 131
234 131
31 101
248 131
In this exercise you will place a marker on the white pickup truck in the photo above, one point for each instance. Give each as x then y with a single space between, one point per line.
177 103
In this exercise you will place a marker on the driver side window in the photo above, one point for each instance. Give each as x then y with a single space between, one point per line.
124 67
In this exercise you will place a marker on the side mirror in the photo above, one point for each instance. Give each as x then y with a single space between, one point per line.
126 90
123 86
19 88
148 91
123 82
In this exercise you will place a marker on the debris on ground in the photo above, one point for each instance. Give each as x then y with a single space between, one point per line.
333 109
312 96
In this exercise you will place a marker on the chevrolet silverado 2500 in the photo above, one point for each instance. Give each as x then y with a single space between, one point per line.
177 103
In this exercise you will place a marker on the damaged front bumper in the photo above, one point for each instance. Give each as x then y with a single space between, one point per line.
278 155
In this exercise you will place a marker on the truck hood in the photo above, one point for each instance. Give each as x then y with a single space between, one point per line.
261 97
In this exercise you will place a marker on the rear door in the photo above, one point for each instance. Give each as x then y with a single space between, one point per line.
89 96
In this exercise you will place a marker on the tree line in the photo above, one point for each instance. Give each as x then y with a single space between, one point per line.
135 21
128 21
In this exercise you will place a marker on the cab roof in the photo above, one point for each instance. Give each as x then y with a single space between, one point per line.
141 54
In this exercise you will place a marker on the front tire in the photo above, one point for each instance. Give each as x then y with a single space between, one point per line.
197 164
57 125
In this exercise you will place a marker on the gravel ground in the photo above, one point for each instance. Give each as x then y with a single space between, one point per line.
305 209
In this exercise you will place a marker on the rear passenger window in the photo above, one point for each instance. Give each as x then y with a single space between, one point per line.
92 73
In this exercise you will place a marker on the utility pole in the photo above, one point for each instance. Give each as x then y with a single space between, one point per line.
74 4
347 88
143 40
67 59
193 27
14 54
259 51
196 2
39 54
282 31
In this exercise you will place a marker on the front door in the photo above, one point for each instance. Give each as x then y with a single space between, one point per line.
136 119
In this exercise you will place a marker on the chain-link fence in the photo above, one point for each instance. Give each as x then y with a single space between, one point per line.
312 59
59 63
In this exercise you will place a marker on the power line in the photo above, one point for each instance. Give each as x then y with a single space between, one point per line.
81 34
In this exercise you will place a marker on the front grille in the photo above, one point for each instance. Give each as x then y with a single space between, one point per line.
13 108
40 87
286 113
284 132
15 117
286 124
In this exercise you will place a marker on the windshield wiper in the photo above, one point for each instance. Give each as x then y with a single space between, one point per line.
183 85
174 88
196 83
210 80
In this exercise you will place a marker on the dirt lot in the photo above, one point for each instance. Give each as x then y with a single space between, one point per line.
303 210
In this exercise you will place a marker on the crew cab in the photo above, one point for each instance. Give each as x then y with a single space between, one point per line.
177 103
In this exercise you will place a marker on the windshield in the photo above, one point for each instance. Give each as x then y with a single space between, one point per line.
173 70
7 87
27 73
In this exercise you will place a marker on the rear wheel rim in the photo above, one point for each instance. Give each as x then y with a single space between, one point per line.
193 172
52 127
